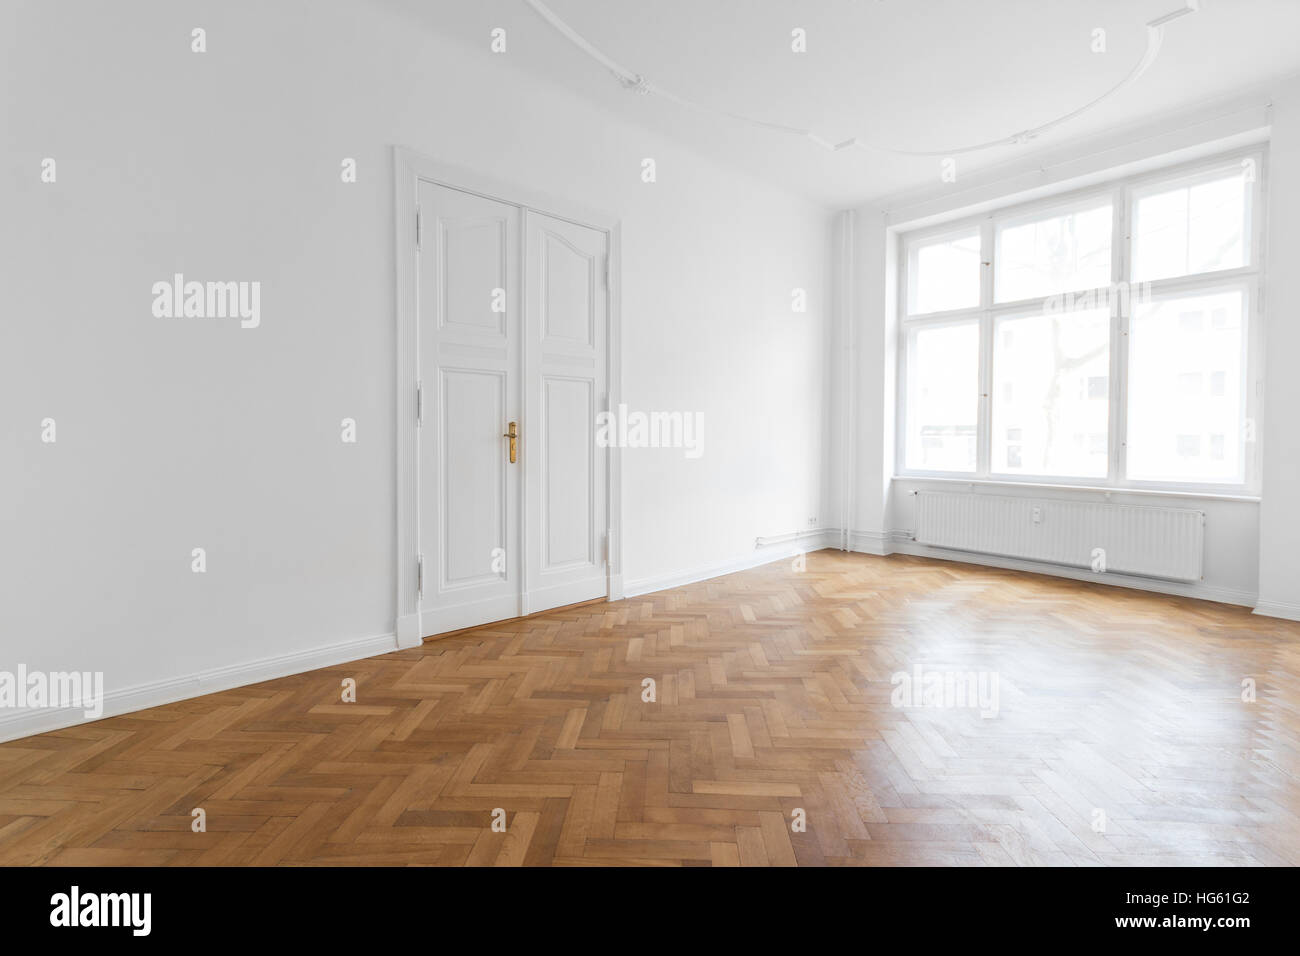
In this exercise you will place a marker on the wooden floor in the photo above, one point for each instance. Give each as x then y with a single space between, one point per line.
773 695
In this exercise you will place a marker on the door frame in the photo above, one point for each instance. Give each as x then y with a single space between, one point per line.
409 169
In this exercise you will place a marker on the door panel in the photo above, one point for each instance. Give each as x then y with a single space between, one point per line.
568 494
565 513
475 257
468 300
568 275
473 477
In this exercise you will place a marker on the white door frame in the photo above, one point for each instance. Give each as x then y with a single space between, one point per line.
409 169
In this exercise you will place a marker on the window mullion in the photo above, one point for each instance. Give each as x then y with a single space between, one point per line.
984 425
984 428
1254 359
1121 308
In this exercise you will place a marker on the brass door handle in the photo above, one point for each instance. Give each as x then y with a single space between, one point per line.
513 435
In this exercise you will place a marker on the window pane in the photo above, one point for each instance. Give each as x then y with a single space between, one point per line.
1188 229
945 274
1065 253
942 397
1186 401
1051 394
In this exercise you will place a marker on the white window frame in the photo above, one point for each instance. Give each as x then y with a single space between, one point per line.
1122 192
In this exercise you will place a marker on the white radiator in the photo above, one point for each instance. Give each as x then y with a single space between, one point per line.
1129 539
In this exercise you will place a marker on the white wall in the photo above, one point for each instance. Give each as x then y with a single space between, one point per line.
1279 544
1251 548
177 434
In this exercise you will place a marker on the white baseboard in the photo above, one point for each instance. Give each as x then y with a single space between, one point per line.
802 539
872 542
1288 612
24 723
767 550
900 542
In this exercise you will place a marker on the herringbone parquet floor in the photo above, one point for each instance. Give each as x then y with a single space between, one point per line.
1121 737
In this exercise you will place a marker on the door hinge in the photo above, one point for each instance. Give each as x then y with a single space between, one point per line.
419 404
419 575
417 228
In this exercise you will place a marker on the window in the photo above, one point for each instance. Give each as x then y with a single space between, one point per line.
1186 406
1200 226
943 396
1101 339
1050 377
946 273
1064 252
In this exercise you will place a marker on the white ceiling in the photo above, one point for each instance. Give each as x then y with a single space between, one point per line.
909 74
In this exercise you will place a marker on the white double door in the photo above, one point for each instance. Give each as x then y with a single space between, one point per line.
512 323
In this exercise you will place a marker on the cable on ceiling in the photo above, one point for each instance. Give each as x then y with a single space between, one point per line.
639 84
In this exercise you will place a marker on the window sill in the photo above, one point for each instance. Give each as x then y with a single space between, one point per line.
1094 489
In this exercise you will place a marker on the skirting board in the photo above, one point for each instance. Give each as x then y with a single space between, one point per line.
872 542
900 542
766 551
24 723
1288 612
